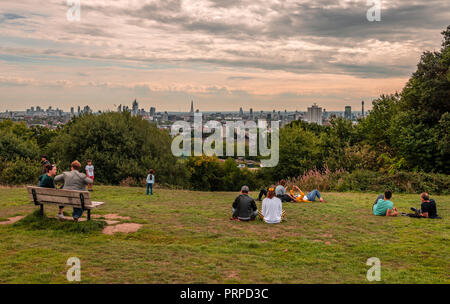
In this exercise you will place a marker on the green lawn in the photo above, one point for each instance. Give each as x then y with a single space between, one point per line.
187 237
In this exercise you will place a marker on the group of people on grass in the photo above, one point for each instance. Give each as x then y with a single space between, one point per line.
73 180
383 206
244 206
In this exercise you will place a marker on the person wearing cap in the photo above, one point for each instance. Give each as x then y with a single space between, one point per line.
244 206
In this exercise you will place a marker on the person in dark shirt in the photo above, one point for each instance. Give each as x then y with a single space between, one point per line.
428 206
44 162
244 206
46 180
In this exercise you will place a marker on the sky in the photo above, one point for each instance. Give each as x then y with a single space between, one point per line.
222 54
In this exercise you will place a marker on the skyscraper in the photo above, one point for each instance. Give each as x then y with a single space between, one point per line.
348 113
314 114
152 111
135 107
192 106
362 112
241 112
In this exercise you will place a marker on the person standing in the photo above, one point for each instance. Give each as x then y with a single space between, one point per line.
74 180
90 173
150 181
44 162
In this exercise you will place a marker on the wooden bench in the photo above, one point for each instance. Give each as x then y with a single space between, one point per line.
79 199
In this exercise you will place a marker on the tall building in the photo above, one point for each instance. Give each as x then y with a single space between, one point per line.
72 111
192 106
135 107
314 114
348 113
241 112
362 111
152 111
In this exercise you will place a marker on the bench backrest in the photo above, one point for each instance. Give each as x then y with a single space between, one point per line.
59 196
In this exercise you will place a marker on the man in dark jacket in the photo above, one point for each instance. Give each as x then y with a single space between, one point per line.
428 207
44 162
244 206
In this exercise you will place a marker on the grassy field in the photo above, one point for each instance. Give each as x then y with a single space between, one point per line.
187 237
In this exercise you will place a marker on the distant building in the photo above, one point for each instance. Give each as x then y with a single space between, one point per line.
348 113
314 114
152 111
241 112
362 110
135 108
192 107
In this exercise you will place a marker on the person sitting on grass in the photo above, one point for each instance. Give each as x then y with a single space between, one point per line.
383 206
280 192
262 193
46 181
310 197
244 206
272 210
74 180
427 208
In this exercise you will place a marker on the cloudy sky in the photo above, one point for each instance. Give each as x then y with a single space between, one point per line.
223 54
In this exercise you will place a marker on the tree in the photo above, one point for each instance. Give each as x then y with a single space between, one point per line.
120 146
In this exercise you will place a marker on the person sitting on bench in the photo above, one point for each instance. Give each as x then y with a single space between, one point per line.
383 206
272 210
310 197
244 206
427 208
74 180
280 192
46 181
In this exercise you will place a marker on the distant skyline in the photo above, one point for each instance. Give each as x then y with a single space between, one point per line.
223 54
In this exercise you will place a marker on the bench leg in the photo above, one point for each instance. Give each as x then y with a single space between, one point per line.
42 209
89 214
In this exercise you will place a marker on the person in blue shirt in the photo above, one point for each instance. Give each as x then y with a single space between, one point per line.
150 181
383 206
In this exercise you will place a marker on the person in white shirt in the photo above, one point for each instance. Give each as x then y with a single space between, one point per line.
272 210
90 173
150 181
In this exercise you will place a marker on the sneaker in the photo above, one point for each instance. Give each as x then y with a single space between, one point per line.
60 216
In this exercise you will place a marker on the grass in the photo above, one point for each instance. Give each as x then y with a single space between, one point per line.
187 237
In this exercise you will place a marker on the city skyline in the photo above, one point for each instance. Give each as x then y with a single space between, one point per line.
262 54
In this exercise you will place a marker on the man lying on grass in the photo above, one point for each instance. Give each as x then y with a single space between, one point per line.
244 206
383 206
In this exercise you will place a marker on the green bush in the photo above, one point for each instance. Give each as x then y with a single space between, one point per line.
19 172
